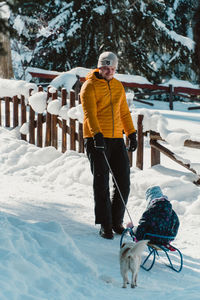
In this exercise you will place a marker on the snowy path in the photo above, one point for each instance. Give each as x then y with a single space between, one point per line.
50 248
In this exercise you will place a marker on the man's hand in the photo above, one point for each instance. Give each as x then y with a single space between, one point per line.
133 142
99 143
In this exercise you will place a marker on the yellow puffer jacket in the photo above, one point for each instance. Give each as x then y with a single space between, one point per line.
105 108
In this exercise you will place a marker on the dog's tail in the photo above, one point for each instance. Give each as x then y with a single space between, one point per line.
139 247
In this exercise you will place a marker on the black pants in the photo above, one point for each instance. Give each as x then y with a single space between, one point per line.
109 211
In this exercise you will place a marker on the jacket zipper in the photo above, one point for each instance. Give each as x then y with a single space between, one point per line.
111 104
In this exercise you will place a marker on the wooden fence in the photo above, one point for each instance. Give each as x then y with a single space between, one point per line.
51 130
157 149
144 90
40 135
46 129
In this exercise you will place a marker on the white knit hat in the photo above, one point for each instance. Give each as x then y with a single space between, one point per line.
107 59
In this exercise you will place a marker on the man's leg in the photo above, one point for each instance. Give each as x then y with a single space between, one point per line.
121 169
100 171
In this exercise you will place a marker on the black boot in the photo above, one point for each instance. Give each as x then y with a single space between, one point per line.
118 228
106 232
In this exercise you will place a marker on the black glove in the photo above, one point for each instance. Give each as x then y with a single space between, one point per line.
99 143
133 142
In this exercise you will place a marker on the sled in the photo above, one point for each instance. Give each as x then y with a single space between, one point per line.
154 249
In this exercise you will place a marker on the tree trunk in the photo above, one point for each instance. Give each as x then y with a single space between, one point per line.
6 70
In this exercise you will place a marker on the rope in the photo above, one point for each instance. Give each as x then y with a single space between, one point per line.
117 186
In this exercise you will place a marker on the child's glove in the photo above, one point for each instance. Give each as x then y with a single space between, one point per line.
129 225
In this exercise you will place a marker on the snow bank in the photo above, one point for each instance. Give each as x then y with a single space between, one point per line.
19 155
10 88
46 254
50 247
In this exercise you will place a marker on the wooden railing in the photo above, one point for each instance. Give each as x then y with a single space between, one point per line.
43 127
157 149
51 130
144 90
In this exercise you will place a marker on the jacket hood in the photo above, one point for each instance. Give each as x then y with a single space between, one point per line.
91 74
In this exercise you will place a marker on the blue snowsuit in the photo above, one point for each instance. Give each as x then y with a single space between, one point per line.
159 217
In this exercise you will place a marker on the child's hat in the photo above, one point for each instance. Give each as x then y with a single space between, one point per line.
153 193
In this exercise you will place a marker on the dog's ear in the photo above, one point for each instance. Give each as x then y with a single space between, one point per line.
123 245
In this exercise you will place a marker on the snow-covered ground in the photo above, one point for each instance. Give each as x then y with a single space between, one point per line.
49 245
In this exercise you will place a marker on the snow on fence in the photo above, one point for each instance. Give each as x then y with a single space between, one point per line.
142 87
43 128
45 123
157 149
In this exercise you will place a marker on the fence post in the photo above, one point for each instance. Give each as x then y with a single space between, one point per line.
7 111
23 115
171 94
155 155
31 125
140 147
64 122
72 123
54 130
77 88
39 124
48 125
15 112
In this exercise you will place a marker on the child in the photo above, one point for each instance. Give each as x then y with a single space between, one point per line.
159 217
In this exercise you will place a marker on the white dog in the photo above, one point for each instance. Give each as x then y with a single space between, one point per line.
130 260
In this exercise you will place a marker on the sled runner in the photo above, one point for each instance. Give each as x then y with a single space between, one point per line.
154 249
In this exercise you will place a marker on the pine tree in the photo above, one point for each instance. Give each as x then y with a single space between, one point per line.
196 32
25 25
156 50
152 38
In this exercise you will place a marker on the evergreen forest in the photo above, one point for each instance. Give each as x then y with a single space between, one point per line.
157 39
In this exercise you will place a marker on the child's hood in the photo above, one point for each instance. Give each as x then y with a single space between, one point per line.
160 204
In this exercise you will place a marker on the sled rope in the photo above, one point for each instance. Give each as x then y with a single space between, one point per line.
117 187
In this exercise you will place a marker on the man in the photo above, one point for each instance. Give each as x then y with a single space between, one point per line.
106 116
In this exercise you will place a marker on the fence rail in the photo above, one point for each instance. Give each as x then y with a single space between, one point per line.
46 129
148 89
43 127
191 94
157 149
